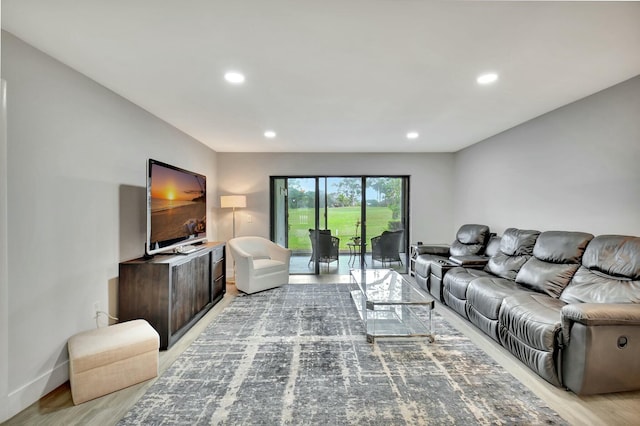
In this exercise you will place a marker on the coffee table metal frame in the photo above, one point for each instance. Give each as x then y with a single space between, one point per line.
386 301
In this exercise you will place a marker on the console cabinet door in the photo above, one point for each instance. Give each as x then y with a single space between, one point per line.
182 295
218 282
201 276
191 291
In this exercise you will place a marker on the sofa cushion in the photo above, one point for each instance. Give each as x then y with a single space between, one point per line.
545 277
485 294
457 280
484 298
473 234
615 255
556 257
610 272
493 246
516 246
588 286
257 250
505 266
561 246
518 242
470 239
267 266
454 287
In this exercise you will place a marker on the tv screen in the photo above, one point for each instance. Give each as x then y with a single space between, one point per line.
176 207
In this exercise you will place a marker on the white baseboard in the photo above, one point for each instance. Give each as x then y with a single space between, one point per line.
23 397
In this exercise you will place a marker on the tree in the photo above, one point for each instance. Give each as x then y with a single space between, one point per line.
298 197
349 191
389 192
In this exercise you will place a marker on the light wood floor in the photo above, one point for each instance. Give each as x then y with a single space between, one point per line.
56 408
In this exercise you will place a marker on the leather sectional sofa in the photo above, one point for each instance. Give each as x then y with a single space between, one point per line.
567 304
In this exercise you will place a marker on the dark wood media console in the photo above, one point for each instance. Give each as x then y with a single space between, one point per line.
172 291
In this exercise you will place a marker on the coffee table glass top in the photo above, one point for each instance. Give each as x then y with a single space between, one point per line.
385 286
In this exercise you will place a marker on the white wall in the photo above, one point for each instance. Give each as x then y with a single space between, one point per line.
4 276
575 168
430 186
76 200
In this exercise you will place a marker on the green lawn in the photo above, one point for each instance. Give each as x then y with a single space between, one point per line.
342 222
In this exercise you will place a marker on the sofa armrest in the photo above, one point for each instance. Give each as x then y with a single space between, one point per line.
598 314
240 255
441 250
279 253
469 261
599 352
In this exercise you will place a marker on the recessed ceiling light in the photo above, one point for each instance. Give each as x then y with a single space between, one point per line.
487 78
412 135
234 77
270 134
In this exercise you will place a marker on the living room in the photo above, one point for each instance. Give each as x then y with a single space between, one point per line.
73 176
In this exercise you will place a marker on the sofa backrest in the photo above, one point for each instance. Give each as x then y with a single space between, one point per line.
610 272
493 246
257 247
471 239
516 247
556 258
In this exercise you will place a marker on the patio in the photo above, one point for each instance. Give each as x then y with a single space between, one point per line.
300 264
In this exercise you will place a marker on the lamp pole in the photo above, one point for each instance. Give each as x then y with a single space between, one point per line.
234 222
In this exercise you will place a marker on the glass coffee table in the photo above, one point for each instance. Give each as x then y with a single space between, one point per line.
387 304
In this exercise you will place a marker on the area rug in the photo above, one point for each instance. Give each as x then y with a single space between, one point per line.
297 355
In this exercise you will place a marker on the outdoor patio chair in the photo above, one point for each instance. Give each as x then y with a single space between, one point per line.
385 248
327 247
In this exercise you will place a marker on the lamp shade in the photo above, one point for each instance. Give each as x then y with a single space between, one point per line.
227 201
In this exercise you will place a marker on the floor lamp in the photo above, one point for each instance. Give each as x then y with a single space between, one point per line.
233 201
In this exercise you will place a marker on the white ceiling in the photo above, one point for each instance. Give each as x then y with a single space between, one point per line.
338 75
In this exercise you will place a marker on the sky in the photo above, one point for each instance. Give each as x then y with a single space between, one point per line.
170 184
308 184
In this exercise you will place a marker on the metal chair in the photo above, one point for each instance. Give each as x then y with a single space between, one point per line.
324 246
385 248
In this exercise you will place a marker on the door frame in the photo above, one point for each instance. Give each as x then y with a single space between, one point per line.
405 200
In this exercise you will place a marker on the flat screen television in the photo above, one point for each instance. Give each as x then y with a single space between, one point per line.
176 207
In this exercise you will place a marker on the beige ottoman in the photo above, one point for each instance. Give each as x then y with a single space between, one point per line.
111 358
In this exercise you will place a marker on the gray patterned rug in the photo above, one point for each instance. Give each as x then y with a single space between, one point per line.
298 355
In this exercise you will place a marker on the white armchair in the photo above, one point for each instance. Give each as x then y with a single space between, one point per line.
260 264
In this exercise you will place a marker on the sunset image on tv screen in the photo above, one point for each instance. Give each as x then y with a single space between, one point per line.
178 204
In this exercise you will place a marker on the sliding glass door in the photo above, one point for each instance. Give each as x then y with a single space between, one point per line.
387 221
335 223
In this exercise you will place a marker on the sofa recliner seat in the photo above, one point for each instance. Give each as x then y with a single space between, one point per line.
601 321
471 239
514 249
455 284
530 323
484 299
